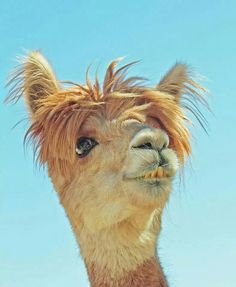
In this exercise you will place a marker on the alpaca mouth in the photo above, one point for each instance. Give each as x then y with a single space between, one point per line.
156 175
155 178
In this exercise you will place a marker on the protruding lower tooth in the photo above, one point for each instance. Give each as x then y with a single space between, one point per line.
153 174
160 171
156 173
164 173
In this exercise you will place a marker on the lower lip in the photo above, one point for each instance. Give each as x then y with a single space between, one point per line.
151 181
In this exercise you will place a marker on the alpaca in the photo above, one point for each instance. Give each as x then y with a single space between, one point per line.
112 153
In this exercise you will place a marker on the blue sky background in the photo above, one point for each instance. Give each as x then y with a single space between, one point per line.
198 241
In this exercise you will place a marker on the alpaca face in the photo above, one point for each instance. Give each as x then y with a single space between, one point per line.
130 169
112 153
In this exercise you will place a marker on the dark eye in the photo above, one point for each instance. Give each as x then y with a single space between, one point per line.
84 146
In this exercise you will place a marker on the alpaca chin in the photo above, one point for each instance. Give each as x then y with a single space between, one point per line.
150 195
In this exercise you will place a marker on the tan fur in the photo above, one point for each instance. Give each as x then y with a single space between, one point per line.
109 196
149 273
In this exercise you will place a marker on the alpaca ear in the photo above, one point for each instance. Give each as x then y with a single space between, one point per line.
176 80
34 79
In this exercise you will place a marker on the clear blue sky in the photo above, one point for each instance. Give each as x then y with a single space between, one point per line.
198 240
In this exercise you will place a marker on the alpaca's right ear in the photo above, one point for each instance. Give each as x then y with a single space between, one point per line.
35 79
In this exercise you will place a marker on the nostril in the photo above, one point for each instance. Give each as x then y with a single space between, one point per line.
164 146
164 143
150 139
145 146
162 161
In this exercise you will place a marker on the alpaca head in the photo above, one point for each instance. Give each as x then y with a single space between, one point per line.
112 152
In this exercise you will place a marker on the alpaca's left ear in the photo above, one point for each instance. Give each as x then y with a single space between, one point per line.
176 80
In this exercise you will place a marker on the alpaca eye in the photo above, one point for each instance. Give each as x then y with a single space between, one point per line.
84 146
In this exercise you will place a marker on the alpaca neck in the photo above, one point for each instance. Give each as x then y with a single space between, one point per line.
123 255
148 273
